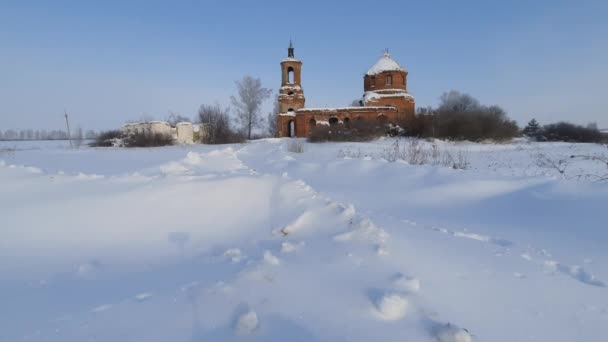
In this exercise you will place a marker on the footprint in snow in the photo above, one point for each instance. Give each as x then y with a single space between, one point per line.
389 306
576 272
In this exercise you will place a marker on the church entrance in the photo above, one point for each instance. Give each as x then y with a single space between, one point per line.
291 129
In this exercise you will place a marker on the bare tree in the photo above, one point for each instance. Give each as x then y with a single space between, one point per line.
251 94
455 101
175 118
272 118
77 137
217 121
90 135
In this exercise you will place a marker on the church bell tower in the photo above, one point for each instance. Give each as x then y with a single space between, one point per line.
291 94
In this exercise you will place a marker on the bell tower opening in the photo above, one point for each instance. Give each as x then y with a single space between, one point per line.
291 94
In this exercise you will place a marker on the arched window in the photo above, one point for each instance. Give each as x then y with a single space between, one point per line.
290 75
290 110
389 80
347 122
373 81
333 121
290 93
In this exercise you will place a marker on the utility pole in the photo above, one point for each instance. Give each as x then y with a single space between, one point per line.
67 124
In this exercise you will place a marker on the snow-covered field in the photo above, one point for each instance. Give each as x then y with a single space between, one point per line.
253 242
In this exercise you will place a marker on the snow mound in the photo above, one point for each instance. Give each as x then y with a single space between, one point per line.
173 168
391 307
224 161
303 221
366 231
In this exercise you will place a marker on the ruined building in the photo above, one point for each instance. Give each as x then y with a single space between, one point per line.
385 99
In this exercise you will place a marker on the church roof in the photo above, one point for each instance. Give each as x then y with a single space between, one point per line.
385 63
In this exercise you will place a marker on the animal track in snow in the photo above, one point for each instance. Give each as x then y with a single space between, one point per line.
484 238
468 235
576 272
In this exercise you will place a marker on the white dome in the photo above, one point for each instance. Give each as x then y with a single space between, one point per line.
385 63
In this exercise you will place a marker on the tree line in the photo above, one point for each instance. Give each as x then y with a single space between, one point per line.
564 131
460 116
43 134
247 105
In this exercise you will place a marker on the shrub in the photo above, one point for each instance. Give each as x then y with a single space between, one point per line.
108 139
414 152
475 125
565 131
219 130
147 139
461 117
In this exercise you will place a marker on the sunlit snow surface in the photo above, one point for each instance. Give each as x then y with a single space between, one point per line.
253 242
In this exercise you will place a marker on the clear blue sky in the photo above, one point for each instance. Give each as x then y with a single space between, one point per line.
111 61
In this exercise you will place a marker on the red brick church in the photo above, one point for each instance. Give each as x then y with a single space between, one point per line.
385 99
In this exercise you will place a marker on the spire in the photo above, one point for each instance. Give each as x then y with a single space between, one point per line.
290 50
386 53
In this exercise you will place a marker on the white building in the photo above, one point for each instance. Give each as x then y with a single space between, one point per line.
182 133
